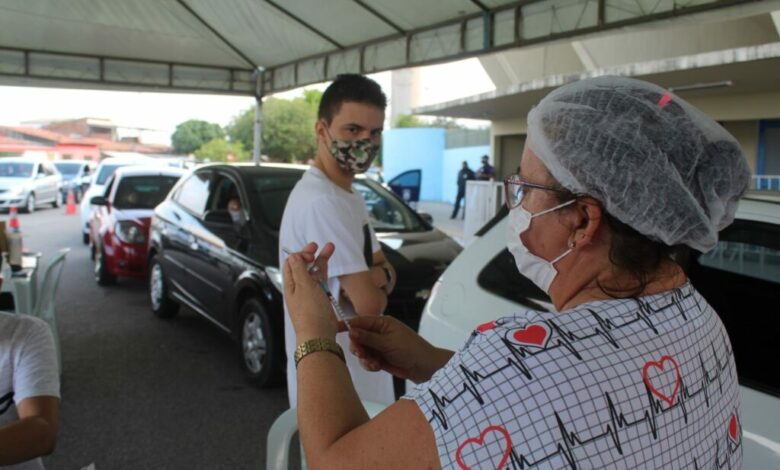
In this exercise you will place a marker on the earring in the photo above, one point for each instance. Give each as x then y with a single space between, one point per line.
571 244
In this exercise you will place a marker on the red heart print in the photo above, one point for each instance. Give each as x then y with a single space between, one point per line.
660 365
479 441
536 334
734 428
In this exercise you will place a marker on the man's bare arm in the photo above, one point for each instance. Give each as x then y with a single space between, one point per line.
34 434
368 290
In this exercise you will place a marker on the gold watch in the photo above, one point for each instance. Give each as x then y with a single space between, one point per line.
316 345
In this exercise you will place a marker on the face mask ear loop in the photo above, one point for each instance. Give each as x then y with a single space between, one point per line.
567 203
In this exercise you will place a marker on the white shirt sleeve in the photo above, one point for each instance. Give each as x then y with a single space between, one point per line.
331 220
35 364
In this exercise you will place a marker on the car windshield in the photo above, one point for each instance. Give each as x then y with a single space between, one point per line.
142 192
269 194
15 169
68 169
105 172
387 212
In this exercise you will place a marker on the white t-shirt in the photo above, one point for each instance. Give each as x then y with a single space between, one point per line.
320 211
640 384
28 368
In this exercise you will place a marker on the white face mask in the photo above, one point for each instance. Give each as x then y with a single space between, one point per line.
540 271
237 216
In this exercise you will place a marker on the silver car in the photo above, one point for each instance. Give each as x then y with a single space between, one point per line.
26 183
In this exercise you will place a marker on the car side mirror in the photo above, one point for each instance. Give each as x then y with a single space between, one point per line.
98 201
426 217
218 217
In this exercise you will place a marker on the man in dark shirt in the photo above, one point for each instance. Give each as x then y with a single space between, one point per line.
464 175
486 172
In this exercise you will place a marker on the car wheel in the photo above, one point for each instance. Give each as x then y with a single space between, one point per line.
102 276
262 352
162 305
29 203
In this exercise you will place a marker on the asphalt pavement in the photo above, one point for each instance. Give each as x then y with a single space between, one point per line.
138 391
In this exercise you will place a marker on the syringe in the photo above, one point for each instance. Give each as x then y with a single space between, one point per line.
312 268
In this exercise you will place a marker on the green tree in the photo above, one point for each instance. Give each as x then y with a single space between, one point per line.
191 135
288 127
408 120
220 150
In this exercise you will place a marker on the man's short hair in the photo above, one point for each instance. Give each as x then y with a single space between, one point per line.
350 87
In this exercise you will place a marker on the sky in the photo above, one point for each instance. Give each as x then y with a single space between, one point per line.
162 112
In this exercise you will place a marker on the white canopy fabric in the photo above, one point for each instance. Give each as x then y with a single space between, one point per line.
264 46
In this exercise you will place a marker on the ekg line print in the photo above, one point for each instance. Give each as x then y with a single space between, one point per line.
655 407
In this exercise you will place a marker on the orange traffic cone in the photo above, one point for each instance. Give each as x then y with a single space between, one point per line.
13 218
70 206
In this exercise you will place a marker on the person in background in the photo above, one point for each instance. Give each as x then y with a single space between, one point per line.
29 392
323 207
236 211
465 174
633 369
486 172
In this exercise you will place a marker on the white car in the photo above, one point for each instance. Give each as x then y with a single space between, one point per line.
740 278
27 182
97 186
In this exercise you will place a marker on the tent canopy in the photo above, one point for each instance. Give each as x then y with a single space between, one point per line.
265 46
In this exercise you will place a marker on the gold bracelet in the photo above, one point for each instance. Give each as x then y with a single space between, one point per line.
316 345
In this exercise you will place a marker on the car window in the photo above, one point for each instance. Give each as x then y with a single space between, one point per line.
48 170
143 192
105 172
68 169
269 194
15 170
194 193
225 189
740 278
501 277
386 212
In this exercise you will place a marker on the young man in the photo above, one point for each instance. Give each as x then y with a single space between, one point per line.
323 208
29 392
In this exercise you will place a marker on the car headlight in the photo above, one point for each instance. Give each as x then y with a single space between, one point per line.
129 232
275 276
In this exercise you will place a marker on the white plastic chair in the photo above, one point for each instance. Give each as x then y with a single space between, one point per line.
285 427
44 303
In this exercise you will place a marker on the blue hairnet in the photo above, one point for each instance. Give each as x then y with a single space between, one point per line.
655 162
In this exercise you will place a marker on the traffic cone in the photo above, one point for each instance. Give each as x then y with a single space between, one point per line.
13 216
70 206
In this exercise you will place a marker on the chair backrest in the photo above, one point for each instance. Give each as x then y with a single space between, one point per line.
44 299
285 427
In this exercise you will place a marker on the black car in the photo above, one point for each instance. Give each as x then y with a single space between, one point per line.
228 271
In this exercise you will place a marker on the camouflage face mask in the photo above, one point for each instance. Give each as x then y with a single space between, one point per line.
354 156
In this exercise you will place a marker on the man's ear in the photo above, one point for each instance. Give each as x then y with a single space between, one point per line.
320 130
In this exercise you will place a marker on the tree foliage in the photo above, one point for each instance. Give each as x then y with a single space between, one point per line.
288 127
410 120
220 150
191 135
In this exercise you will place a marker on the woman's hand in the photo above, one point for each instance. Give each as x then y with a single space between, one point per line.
310 310
384 343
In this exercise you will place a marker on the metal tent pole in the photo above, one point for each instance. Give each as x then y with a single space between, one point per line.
258 142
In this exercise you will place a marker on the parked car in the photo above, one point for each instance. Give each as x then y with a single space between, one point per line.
228 272
73 174
27 182
97 186
119 227
740 278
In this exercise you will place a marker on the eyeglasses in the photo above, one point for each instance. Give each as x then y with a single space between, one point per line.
514 190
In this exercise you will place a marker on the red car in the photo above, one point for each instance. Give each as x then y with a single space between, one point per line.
119 226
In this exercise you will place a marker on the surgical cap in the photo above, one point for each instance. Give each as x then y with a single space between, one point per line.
655 162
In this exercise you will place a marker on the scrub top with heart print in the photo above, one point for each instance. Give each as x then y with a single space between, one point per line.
628 383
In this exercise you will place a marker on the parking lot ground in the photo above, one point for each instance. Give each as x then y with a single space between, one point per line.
137 391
